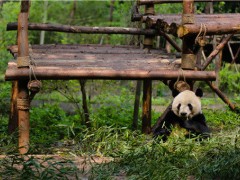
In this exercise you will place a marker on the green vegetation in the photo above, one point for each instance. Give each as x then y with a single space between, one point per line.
131 154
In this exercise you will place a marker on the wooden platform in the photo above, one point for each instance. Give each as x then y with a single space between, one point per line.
100 62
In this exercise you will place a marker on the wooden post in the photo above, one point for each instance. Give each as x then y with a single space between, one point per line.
23 103
23 106
13 117
148 39
188 56
147 84
136 104
147 103
87 121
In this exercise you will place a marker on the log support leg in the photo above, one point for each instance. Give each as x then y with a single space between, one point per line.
221 95
23 105
147 102
13 117
136 104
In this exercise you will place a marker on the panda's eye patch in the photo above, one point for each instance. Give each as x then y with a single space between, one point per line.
178 107
190 107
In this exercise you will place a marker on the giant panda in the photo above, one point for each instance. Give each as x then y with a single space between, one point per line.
186 112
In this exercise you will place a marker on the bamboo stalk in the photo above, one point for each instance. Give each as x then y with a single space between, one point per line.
83 29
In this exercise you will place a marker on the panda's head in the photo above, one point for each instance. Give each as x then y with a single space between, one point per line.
187 104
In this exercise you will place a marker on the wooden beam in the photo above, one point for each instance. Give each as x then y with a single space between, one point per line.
84 29
213 28
214 23
215 52
57 73
221 95
144 2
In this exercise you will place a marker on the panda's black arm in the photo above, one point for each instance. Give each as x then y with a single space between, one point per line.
198 124
164 127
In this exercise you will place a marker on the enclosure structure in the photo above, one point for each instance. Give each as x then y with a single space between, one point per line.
33 63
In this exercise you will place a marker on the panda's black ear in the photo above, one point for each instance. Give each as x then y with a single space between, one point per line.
199 92
175 92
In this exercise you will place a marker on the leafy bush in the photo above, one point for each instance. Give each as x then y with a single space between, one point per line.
230 79
113 109
45 121
5 98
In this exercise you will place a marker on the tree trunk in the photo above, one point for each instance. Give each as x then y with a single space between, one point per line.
42 35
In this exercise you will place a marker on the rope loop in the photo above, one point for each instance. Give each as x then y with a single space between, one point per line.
180 85
23 104
201 40
23 61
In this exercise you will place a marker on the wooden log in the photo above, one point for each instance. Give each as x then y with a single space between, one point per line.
215 52
221 95
213 28
144 2
84 29
57 73
215 24
147 106
199 18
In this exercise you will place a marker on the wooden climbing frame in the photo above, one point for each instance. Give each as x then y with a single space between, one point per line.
64 62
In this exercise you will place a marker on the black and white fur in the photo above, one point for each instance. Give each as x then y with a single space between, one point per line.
186 111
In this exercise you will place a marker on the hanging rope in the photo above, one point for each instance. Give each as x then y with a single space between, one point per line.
181 85
201 40
34 85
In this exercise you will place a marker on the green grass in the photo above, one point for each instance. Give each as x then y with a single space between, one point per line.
141 157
